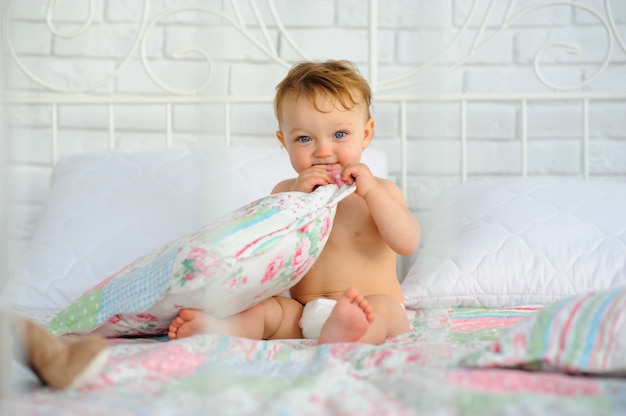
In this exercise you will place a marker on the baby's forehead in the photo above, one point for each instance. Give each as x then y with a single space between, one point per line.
326 101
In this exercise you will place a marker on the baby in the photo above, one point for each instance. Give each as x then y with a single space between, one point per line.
325 125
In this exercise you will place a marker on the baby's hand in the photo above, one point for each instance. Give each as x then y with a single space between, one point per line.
309 179
360 174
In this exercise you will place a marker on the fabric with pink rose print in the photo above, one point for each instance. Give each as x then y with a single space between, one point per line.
257 251
416 373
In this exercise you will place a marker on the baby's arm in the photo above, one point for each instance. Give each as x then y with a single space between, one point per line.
385 201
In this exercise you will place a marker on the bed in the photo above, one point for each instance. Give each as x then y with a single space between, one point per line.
516 297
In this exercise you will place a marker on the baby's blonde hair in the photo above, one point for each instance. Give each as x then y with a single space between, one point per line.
340 80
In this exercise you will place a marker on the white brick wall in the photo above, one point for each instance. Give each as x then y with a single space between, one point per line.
410 33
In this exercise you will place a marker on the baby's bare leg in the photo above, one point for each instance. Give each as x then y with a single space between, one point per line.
384 317
391 320
274 318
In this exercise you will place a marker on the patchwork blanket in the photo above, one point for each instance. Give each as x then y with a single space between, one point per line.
415 373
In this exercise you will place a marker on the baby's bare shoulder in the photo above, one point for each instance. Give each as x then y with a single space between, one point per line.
391 187
387 183
283 186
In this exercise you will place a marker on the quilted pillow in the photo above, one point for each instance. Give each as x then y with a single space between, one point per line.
584 334
105 209
257 251
498 243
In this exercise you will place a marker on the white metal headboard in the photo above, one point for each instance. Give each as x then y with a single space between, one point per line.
476 26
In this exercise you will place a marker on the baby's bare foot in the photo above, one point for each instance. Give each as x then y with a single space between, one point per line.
189 322
349 319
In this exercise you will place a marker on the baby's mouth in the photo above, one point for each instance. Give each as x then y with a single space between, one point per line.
335 171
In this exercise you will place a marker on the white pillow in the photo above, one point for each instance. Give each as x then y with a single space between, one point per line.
106 209
501 243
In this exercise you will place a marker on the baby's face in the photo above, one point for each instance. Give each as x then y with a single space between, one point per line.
331 135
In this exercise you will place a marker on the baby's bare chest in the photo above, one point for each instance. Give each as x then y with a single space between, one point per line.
353 225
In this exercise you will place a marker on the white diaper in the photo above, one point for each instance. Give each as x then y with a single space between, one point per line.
314 316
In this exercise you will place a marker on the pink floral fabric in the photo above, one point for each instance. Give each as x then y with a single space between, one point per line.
258 251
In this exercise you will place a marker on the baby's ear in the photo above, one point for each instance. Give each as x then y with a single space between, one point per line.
368 133
280 137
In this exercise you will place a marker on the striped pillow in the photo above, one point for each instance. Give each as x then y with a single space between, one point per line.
579 335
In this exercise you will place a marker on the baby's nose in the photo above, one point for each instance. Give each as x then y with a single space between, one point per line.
323 149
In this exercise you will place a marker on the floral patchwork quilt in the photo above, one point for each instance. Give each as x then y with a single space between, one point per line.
415 373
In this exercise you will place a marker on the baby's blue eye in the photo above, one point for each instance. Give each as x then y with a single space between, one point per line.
303 139
340 135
